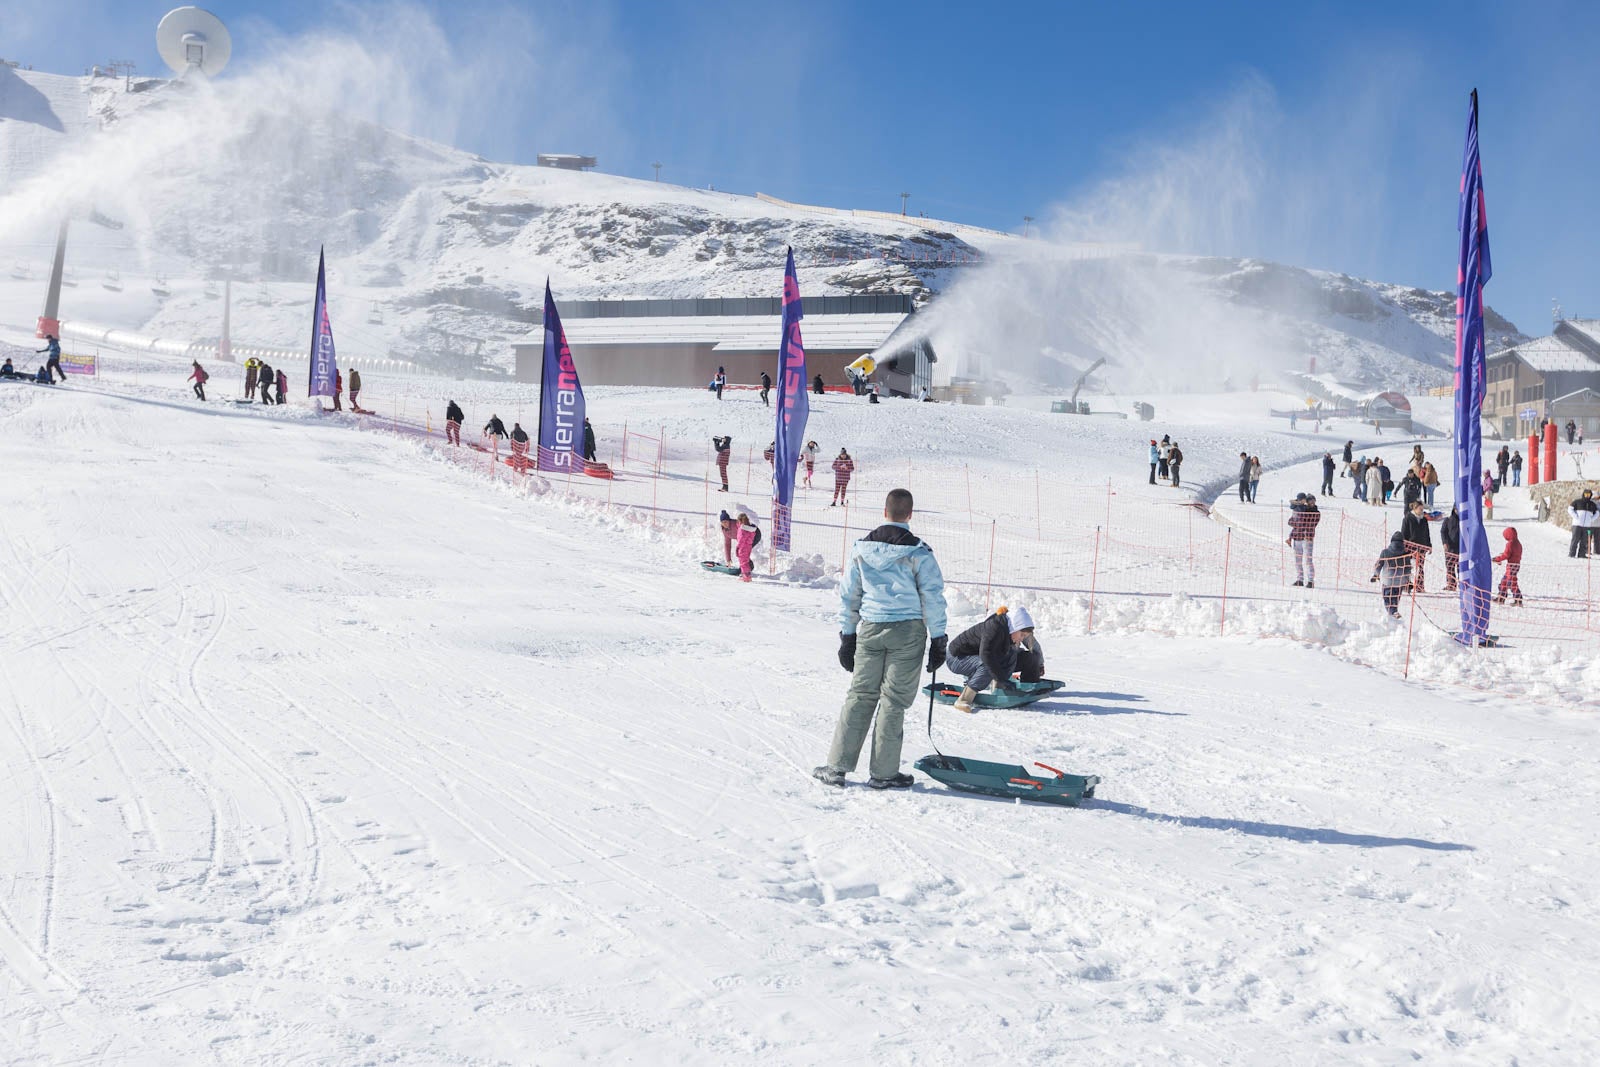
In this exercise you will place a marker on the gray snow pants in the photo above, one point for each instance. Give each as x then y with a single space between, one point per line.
889 657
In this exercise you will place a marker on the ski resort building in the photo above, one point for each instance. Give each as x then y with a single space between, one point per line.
1555 377
683 342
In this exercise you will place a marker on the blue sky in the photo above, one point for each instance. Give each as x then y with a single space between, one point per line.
1325 135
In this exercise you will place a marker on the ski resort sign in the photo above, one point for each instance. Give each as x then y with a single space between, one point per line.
561 407
324 363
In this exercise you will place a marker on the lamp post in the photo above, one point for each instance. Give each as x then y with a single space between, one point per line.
903 198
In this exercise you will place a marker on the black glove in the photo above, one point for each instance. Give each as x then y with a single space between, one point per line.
1373 578
936 650
847 651
1006 685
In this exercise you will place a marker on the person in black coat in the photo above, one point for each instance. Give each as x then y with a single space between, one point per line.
1414 529
991 651
1244 476
1411 489
494 427
766 388
453 418
266 379
1327 474
1450 538
588 440
816 385
1349 454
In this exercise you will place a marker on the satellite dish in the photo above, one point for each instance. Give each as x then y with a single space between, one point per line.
192 39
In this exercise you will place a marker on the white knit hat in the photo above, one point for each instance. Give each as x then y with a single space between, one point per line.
1018 619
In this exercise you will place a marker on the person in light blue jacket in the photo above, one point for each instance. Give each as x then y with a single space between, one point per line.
1155 459
891 600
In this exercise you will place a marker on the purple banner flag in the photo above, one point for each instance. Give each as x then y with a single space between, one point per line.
323 362
1477 572
794 408
560 399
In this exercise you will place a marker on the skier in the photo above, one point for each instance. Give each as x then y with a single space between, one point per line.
1244 477
1303 518
843 467
809 455
1394 567
891 603
495 429
1373 491
266 378
766 388
52 345
1327 473
355 389
453 418
1512 558
1255 476
1450 538
1163 453
1174 461
720 382
990 652
1584 517
198 376
252 366
588 440
1414 528
1155 459
283 384
816 385
338 389
749 538
1516 468
724 446
519 448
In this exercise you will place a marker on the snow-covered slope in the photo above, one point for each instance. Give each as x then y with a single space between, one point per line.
433 249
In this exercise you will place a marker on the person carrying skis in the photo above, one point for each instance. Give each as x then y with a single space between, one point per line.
1394 569
1327 473
453 418
843 467
1163 453
809 455
749 536
198 376
1512 558
283 384
1450 539
267 378
766 388
252 367
588 440
1303 518
1155 459
724 447
1414 528
891 606
989 653
355 389
1174 461
52 345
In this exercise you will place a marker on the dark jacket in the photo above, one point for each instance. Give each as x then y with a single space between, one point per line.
1347 453
495 427
267 376
1244 469
1415 530
1450 533
519 435
722 445
355 381
766 380
1410 488
991 641
1327 466
1303 519
1516 462
816 385
452 413
588 439
1175 456
1394 563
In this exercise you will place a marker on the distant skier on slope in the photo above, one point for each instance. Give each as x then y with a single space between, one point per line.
891 600
198 376
990 652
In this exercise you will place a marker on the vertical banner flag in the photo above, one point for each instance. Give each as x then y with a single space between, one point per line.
323 365
1477 573
560 399
793 409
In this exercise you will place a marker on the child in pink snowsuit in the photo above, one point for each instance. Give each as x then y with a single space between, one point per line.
749 537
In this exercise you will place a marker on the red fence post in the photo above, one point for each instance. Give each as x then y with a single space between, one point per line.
661 449
1411 626
1338 561
749 461
844 537
988 585
1108 507
1283 565
1094 575
1227 553
624 462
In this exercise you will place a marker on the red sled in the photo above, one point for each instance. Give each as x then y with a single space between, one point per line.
597 470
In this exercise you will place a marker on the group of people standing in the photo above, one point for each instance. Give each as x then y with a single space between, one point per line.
844 465
1165 460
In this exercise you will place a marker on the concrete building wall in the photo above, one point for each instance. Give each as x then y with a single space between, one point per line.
686 365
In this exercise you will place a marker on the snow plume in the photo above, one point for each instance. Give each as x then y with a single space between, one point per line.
297 148
1127 270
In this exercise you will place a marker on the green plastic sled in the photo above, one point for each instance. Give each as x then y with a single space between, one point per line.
720 568
1026 693
1009 780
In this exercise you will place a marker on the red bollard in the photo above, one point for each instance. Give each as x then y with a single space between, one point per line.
1550 453
1533 459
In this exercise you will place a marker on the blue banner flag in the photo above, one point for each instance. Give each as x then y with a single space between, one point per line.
794 408
1477 573
560 399
324 366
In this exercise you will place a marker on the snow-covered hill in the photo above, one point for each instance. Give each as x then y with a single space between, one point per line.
433 249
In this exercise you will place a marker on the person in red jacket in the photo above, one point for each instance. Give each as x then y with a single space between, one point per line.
338 389
843 467
1512 558
199 376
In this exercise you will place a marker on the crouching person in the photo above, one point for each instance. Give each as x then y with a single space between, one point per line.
990 652
891 601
